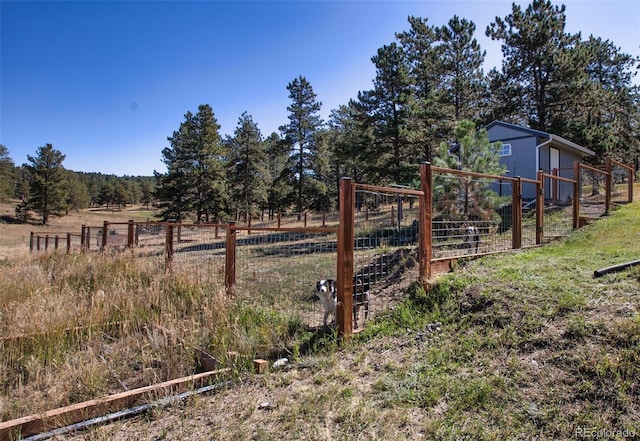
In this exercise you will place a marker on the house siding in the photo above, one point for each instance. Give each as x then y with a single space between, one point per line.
524 163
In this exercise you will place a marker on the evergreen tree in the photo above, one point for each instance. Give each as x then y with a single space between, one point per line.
77 194
146 192
321 177
6 175
248 175
280 193
464 85
597 104
351 142
300 133
429 120
467 198
388 109
48 183
106 194
532 42
195 181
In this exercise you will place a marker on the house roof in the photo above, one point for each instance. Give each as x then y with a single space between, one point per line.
555 139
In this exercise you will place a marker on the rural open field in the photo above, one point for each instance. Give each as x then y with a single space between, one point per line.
522 345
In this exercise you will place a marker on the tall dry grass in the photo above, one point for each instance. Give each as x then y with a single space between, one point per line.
80 326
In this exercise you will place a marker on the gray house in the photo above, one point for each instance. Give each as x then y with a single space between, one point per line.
524 151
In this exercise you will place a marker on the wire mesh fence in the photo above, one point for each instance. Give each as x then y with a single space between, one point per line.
558 209
529 212
199 250
621 182
279 270
150 237
275 262
472 214
385 243
593 191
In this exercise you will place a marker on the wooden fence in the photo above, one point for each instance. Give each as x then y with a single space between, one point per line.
435 248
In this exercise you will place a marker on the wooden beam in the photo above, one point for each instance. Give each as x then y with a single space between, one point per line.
64 416
344 270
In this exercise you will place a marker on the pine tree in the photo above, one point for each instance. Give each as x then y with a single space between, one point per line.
195 181
387 111
48 183
279 195
248 175
464 86
429 121
532 42
467 198
77 194
596 103
6 175
300 133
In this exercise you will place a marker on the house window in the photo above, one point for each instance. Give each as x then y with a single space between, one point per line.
505 150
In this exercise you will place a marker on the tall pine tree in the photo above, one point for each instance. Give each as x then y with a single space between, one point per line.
533 40
464 85
248 174
300 133
6 175
195 181
47 183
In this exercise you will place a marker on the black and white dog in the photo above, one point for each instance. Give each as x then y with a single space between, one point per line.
472 238
360 298
326 291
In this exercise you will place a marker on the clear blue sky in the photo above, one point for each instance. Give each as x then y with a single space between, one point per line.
107 82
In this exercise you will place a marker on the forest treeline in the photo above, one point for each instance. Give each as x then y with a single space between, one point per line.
428 81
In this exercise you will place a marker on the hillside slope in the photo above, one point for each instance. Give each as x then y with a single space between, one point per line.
524 345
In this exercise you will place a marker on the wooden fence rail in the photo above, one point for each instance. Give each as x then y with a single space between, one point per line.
428 266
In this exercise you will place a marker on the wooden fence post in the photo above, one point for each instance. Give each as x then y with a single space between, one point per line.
31 242
576 194
105 232
516 228
46 242
555 186
83 233
630 182
230 259
305 219
540 208
279 219
55 243
425 231
346 235
130 237
38 243
607 186
68 243
168 248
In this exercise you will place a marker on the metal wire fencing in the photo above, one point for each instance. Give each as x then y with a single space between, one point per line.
472 214
385 245
279 269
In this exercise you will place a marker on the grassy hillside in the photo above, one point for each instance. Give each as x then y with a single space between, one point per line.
525 345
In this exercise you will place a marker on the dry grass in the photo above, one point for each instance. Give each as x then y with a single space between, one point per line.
531 347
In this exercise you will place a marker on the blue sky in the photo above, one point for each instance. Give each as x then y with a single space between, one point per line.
107 82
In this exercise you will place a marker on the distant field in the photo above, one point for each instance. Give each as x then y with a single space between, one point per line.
14 236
